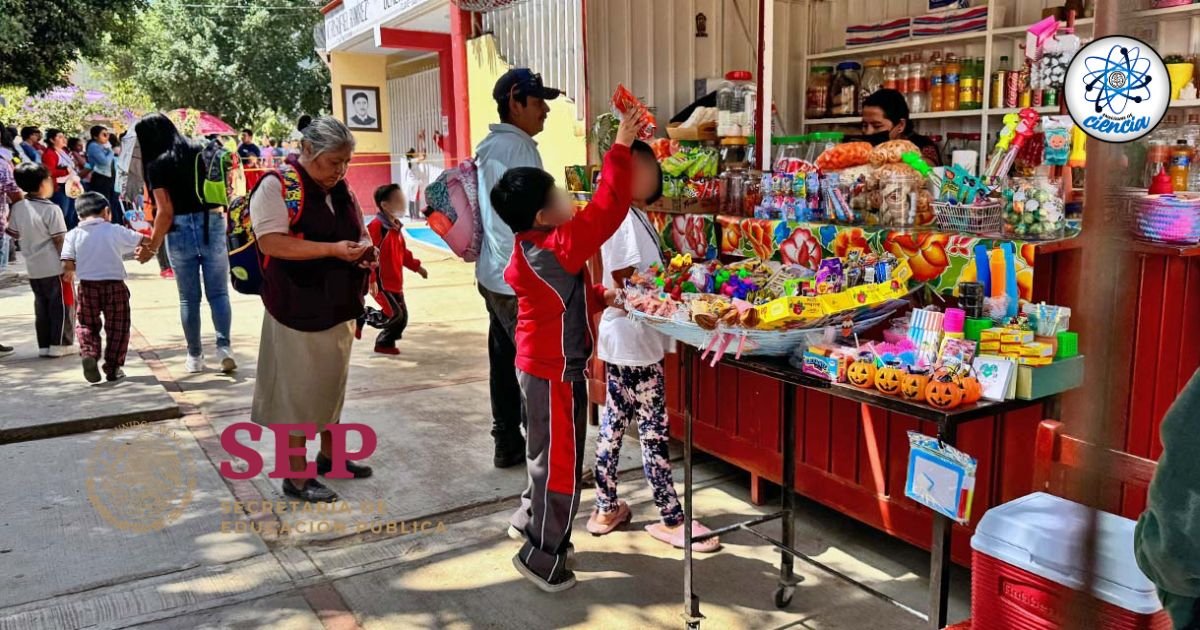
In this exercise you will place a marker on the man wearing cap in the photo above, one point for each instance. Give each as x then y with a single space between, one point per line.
521 101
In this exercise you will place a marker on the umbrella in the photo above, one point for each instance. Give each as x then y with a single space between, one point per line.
208 124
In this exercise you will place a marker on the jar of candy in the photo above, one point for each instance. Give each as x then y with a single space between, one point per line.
845 95
787 153
816 97
1034 209
732 191
752 192
735 153
872 78
898 200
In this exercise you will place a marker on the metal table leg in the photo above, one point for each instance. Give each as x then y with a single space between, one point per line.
787 575
939 554
691 603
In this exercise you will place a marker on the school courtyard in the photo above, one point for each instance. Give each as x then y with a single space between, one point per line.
235 554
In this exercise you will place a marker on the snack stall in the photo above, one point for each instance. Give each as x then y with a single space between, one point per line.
802 362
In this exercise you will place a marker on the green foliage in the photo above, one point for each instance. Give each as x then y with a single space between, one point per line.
71 112
235 63
39 40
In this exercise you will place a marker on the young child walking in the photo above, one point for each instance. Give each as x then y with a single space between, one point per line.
387 281
633 358
41 227
555 303
94 251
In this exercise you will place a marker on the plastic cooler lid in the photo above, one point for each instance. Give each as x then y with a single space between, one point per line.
1043 534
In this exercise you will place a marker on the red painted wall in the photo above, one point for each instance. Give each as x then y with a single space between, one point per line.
368 171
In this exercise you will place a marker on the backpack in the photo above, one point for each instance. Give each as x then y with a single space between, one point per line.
245 270
215 168
453 210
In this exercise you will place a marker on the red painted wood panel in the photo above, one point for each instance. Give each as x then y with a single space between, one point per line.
706 409
1014 444
872 449
898 454
759 409
1147 335
843 452
674 388
815 429
727 399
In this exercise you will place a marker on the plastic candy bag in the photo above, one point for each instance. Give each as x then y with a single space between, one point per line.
626 104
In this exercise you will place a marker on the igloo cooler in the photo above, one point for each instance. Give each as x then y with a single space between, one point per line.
1027 562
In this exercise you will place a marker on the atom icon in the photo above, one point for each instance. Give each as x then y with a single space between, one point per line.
1117 79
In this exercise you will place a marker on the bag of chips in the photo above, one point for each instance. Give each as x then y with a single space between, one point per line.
626 104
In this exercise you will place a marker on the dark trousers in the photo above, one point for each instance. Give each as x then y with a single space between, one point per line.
104 185
391 325
67 204
557 414
507 414
54 319
108 299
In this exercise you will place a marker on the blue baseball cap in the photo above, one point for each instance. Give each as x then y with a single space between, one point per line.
523 82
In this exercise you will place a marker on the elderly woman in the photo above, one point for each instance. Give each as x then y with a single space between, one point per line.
315 258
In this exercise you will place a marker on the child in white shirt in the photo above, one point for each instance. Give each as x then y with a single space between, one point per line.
94 251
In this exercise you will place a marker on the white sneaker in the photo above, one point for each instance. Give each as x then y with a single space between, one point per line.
195 364
44 352
63 351
225 356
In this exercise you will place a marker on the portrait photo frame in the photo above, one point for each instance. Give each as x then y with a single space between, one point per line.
361 108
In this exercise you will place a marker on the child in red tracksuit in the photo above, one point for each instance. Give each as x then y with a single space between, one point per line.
556 302
387 281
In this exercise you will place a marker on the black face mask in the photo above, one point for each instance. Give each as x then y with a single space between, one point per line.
877 139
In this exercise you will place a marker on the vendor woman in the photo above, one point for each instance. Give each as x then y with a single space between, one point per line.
885 117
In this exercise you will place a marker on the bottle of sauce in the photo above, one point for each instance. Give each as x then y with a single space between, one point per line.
951 91
937 82
966 84
979 84
1181 162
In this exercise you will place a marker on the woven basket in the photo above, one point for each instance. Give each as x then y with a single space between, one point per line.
774 343
1167 219
985 218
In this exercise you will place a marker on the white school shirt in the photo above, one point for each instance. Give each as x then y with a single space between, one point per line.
623 341
98 248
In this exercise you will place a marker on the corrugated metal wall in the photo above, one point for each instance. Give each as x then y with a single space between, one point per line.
416 116
653 48
547 36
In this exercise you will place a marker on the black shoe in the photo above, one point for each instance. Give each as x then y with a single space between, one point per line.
313 491
565 580
359 471
5 350
115 376
509 453
90 370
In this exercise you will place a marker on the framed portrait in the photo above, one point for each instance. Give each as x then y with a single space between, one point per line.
360 107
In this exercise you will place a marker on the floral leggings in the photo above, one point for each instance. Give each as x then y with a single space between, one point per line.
636 393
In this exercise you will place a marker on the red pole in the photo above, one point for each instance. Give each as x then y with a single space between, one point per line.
759 159
457 103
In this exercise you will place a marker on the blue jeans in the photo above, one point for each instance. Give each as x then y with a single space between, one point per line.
67 204
194 261
3 251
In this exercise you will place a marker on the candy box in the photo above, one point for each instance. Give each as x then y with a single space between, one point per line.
1036 361
1016 336
831 368
989 346
787 309
991 334
1037 349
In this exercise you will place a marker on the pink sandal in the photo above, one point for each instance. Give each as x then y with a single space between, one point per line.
674 537
598 528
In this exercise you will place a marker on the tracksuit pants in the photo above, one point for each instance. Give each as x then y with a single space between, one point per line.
53 312
556 412
391 324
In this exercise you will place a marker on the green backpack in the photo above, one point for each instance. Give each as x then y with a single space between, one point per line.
214 174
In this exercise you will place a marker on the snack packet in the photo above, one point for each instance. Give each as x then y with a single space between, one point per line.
626 104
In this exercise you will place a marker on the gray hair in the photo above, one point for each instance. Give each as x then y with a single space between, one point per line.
327 133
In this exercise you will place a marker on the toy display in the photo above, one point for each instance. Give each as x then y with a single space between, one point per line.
1034 209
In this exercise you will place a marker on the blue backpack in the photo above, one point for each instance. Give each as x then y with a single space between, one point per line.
245 268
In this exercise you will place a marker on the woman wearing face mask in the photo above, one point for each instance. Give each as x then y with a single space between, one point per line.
885 117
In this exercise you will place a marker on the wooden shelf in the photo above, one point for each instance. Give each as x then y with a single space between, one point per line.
1178 11
962 113
1181 103
1019 31
862 51
1163 249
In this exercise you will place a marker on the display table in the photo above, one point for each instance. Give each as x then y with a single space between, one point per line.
792 381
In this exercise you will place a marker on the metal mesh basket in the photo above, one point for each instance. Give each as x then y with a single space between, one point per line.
985 218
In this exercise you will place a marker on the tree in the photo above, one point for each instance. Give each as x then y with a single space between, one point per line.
40 40
234 62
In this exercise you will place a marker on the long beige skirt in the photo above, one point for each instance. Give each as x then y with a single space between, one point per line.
301 375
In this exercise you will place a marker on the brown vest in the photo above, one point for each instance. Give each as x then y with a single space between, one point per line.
315 295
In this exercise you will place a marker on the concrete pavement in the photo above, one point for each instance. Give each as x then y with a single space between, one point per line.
69 558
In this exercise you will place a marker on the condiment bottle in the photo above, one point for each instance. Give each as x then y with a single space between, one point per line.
1181 162
951 91
937 82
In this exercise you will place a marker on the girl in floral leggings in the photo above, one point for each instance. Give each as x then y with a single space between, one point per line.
633 355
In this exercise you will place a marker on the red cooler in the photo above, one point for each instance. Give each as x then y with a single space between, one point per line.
1028 561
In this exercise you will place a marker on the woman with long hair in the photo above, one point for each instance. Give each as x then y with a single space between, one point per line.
194 233
316 258
61 165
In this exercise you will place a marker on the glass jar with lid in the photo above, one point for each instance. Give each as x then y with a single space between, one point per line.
872 78
735 153
731 104
845 90
788 153
816 98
